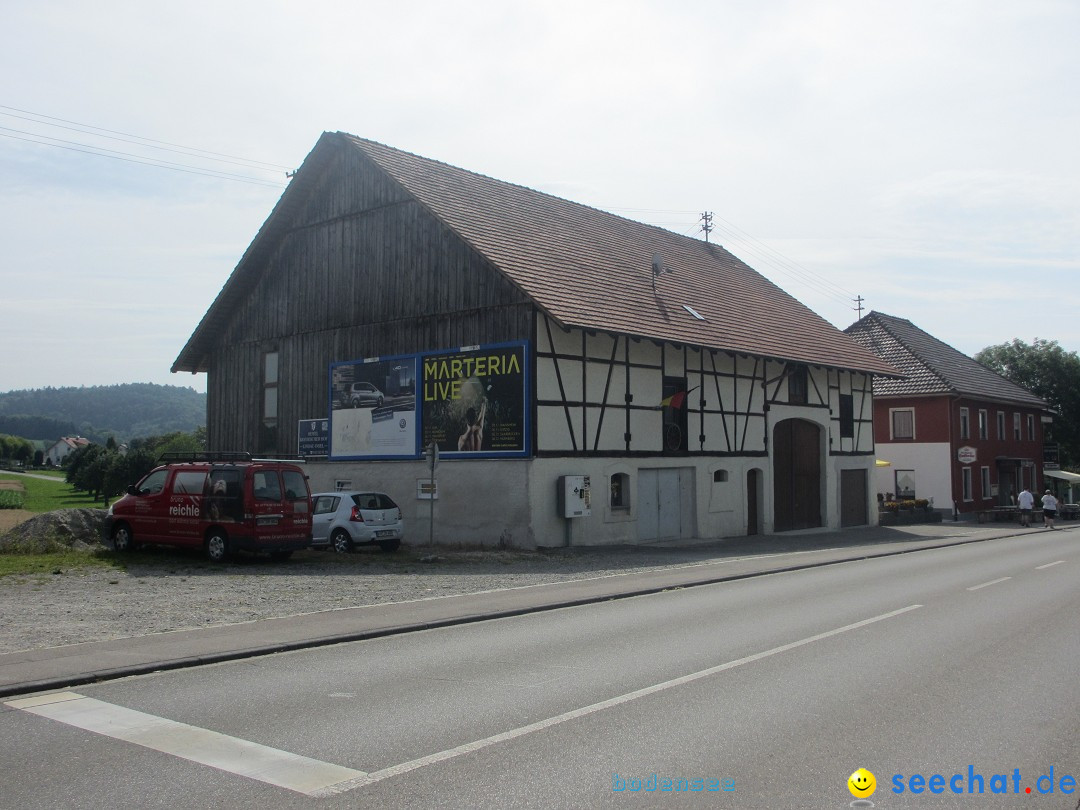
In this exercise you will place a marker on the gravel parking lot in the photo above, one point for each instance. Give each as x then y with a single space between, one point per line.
162 590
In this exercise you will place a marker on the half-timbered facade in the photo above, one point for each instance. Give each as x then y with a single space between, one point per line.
698 399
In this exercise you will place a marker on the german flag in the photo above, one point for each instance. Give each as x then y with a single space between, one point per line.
676 400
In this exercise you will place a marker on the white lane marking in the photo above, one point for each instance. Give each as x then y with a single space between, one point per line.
495 739
1041 567
290 771
988 584
321 779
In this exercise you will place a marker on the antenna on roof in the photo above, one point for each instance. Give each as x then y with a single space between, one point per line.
858 305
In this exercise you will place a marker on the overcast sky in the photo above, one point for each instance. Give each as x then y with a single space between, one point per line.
922 155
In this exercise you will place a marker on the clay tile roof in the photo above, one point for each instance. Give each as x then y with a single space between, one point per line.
931 366
584 267
591 269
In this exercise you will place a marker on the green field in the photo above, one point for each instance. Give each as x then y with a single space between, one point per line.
45 496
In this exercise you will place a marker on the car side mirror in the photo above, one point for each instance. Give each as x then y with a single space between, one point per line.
131 490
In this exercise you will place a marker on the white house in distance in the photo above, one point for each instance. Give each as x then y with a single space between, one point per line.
63 448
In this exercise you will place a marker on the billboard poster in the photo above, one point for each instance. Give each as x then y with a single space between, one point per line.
373 408
473 401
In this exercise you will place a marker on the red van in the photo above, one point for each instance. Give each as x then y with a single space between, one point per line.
219 502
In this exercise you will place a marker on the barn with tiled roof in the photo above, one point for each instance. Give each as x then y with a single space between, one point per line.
392 302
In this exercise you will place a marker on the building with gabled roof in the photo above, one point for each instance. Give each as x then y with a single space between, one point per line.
392 302
952 430
59 450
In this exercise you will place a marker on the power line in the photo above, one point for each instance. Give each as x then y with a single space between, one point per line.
92 150
147 141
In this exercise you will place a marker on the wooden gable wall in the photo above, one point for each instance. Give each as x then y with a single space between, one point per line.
362 270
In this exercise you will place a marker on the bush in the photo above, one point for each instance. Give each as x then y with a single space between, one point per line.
10 499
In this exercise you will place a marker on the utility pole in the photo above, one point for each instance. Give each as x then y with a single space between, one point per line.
858 305
706 223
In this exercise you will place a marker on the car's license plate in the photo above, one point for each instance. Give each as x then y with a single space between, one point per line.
387 533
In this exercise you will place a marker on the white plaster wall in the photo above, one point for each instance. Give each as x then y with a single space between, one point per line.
931 462
482 502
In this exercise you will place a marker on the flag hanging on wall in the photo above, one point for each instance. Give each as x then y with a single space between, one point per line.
676 400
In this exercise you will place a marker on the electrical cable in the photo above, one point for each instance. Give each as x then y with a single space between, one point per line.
146 162
149 141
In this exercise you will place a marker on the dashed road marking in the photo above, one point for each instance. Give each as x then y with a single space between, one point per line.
988 584
310 776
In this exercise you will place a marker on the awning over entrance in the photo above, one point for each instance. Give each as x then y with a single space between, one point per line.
1072 478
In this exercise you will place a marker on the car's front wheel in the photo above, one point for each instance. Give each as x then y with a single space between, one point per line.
341 542
123 539
217 546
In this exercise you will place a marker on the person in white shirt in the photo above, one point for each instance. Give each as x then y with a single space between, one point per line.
1049 503
1025 501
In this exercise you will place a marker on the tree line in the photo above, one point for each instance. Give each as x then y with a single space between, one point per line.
1048 371
103 471
123 412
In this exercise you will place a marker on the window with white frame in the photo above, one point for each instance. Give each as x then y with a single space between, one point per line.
1031 427
984 474
1001 425
965 473
965 424
902 423
1016 426
984 426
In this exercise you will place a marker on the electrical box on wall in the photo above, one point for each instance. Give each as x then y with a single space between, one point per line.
575 498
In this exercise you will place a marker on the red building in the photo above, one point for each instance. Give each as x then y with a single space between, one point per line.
952 430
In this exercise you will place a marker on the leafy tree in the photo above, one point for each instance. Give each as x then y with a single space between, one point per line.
1048 371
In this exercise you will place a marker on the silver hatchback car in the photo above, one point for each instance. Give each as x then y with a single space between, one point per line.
343 520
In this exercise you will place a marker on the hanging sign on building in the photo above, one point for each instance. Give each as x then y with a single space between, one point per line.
967 455
313 438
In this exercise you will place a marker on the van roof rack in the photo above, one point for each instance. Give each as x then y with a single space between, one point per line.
204 455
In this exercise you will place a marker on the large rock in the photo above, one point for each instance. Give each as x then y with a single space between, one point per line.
73 528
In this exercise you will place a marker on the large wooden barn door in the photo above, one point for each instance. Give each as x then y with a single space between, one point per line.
796 475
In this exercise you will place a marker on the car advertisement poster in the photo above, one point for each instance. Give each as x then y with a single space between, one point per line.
373 408
471 402
474 401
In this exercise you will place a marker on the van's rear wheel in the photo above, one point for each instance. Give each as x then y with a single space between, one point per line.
341 541
217 546
123 539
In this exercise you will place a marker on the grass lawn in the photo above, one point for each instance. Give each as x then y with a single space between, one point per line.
46 496
13 562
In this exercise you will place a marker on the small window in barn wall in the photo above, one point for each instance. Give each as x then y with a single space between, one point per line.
620 491
847 416
268 431
798 387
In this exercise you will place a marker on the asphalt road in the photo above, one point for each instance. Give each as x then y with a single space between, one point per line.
959 662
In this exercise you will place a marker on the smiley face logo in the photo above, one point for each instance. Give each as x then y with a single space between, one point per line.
862 784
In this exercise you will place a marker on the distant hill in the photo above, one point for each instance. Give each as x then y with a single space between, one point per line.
125 412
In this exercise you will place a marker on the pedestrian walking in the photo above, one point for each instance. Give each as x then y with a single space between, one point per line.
1026 502
1049 503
